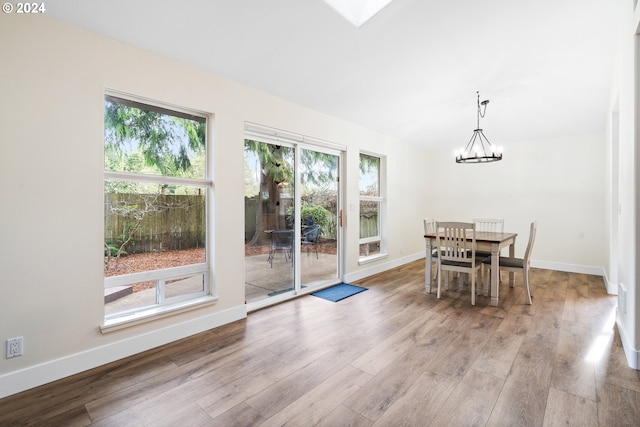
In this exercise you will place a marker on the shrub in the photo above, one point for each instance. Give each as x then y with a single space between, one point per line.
317 213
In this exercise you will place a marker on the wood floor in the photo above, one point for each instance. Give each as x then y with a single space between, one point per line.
390 356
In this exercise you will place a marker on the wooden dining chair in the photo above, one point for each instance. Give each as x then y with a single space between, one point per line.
495 225
492 225
456 244
520 265
430 228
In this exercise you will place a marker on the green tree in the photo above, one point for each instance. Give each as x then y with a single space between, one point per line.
251 189
275 168
165 143
144 139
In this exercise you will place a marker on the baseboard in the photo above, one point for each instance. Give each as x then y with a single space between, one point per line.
612 288
34 376
547 265
569 268
375 268
632 354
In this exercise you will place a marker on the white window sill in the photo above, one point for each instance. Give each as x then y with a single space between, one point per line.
155 313
371 258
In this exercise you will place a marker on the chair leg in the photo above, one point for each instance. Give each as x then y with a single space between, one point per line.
486 284
439 280
462 279
526 285
473 287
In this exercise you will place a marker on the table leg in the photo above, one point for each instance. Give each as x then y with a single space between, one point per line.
512 254
427 267
495 276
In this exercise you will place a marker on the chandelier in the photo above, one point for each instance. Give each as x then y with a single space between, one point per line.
479 149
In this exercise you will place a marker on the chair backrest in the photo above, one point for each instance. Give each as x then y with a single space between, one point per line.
282 239
456 241
494 225
429 225
532 239
311 234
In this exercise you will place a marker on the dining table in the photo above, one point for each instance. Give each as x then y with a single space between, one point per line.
486 241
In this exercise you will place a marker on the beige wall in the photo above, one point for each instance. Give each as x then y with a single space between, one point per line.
559 182
624 266
52 81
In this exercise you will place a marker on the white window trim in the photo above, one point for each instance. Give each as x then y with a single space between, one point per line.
153 179
155 313
381 237
182 303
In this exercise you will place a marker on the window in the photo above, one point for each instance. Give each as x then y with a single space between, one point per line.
372 207
156 198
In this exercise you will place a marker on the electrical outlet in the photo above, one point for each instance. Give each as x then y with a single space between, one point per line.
622 298
14 347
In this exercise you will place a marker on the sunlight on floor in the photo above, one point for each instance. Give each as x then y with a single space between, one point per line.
603 341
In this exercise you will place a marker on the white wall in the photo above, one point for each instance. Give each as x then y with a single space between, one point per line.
558 182
624 108
52 82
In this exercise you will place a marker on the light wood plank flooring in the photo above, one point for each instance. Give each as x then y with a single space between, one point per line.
390 356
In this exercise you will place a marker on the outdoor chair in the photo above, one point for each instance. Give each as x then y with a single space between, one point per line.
310 237
281 240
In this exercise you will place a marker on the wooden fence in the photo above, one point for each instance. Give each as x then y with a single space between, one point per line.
368 226
170 221
161 222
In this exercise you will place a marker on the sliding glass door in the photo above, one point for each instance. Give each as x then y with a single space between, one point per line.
319 216
269 225
292 218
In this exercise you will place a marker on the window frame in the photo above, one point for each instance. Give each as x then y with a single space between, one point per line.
382 211
165 305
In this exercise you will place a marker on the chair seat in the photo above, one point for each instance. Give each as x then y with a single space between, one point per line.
507 262
456 263
435 253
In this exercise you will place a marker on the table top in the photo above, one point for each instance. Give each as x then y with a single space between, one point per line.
486 236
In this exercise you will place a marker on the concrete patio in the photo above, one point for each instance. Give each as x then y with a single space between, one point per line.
261 279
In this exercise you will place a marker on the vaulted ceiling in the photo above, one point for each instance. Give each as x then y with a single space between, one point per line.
411 71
